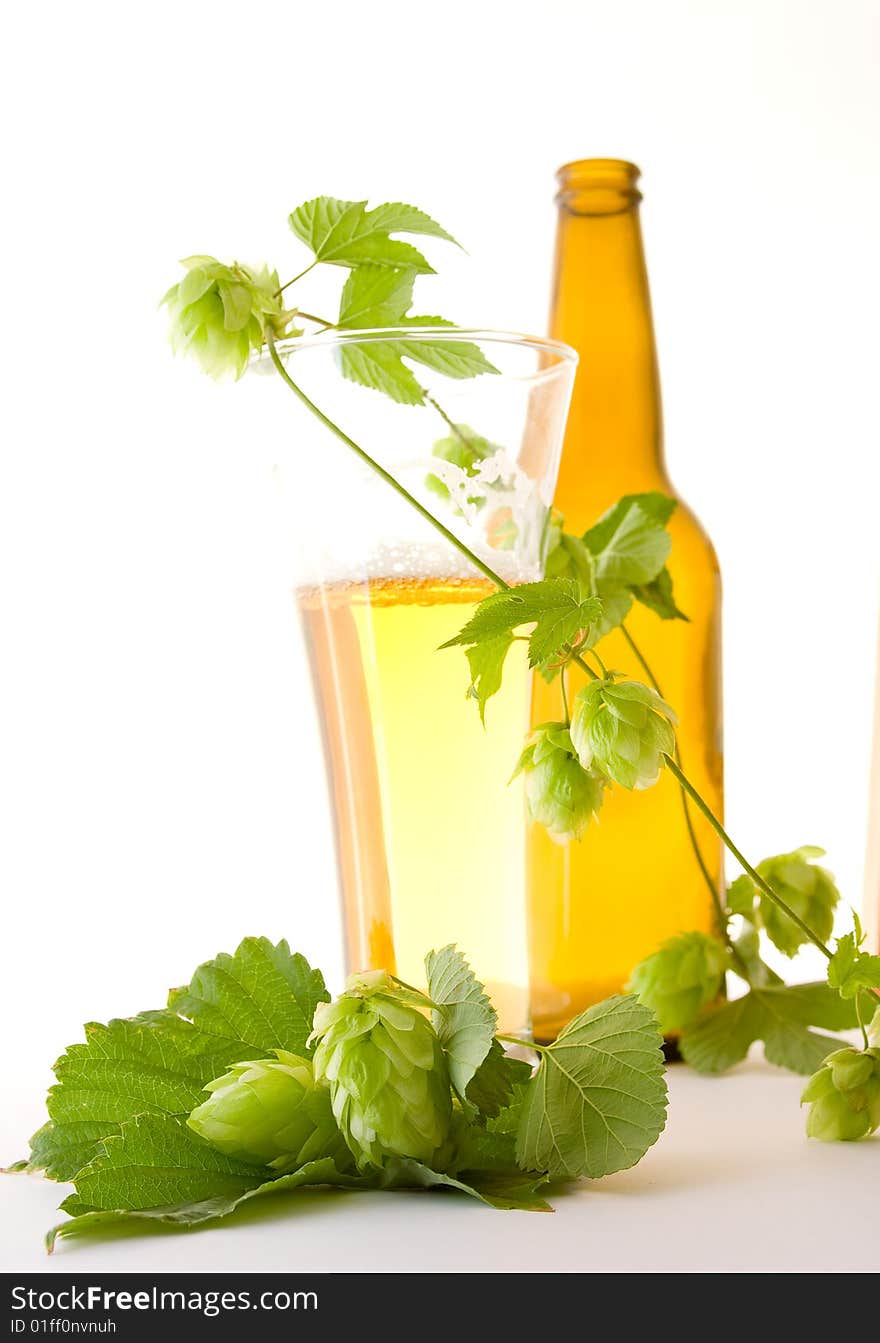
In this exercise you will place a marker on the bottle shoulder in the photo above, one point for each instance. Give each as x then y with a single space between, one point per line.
686 526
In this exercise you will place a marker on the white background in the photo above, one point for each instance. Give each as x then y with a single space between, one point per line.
158 767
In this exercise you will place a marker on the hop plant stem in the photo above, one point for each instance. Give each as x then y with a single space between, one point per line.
744 863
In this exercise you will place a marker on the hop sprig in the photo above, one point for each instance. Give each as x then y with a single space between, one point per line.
269 1112
220 314
622 729
560 794
385 1069
844 1096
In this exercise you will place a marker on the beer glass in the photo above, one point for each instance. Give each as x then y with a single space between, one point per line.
430 833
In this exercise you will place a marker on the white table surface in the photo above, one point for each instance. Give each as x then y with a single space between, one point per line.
732 1185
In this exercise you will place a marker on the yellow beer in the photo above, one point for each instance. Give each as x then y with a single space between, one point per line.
430 837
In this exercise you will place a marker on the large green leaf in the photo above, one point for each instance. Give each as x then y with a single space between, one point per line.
464 1018
192 1213
782 1016
153 1063
261 998
555 607
598 1099
156 1161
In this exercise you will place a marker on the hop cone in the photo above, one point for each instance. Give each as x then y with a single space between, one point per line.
807 888
680 979
622 729
220 313
560 795
270 1112
844 1096
388 1079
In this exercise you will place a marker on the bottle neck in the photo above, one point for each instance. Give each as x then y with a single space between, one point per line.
601 305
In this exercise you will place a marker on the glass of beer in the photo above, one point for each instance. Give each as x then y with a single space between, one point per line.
430 833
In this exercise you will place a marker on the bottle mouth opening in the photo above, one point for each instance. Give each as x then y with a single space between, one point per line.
598 186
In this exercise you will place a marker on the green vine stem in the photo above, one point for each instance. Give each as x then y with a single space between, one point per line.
711 885
744 863
501 583
380 471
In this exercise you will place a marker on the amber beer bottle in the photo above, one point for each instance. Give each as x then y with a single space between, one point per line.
597 906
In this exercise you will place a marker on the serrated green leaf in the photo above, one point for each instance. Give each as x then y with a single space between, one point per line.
156 1161
377 364
453 358
658 597
188 1214
598 1099
850 969
376 297
506 1189
60 1150
375 300
154 1063
345 233
781 1015
263 998
492 1087
629 543
555 607
486 662
373 296
464 1018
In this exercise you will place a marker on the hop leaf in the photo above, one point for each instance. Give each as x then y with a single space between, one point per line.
622 729
844 1096
850 969
629 543
346 233
269 1112
681 978
556 608
220 313
388 1079
376 296
560 794
807 888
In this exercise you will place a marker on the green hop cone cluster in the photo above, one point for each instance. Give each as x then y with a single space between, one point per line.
270 1112
560 794
844 1096
680 979
807 888
220 313
388 1078
622 729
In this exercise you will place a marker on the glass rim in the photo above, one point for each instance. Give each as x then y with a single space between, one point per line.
366 335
